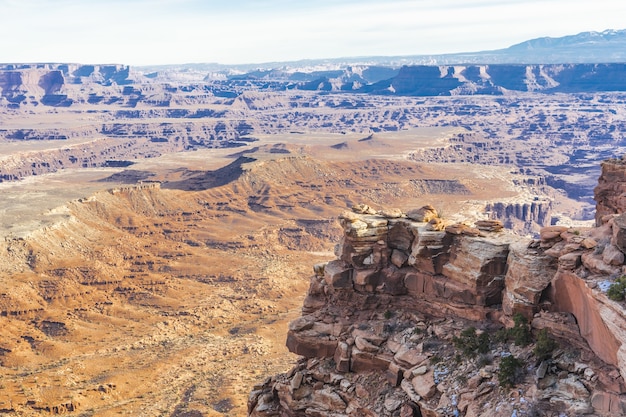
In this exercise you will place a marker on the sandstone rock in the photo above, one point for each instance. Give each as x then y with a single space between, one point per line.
605 403
619 232
528 274
550 235
338 275
342 357
392 402
571 294
407 387
327 399
399 258
462 229
310 345
483 389
302 323
610 192
365 277
424 385
562 248
296 380
395 374
400 235
612 256
409 356
596 265
370 336
364 345
430 251
589 243
489 225
418 370
475 381
363 209
409 410
392 281
423 214
392 213
480 264
365 361
570 261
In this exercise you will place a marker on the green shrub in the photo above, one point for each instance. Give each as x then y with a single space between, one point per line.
617 290
520 331
471 343
544 346
510 371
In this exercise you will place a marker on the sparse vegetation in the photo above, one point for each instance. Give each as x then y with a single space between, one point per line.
510 370
617 290
544 346
435 359
471 343
519 333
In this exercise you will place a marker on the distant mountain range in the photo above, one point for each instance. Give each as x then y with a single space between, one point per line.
608 46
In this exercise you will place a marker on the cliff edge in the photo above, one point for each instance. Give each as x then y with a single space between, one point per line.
417 317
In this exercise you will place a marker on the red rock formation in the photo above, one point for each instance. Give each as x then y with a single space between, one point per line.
610 193
412 273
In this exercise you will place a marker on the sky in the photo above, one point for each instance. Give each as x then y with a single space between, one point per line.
149 32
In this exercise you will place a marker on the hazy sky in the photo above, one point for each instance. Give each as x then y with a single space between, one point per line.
140 32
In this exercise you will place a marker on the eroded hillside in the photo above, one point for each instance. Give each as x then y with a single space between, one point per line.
173 297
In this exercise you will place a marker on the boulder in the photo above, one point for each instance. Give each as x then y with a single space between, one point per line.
489 225
366 361
528 274
424 385
606 403
342 357
392 213
409 357
338 275
550 235
311 344
423 214
327 399
570 261
363 209
612 255
595 263
462 229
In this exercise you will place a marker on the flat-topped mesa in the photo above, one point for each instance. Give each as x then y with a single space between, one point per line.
415 268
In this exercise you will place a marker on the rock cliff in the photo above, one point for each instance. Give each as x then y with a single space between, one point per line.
411 319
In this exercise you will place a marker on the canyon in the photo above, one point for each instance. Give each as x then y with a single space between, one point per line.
159 228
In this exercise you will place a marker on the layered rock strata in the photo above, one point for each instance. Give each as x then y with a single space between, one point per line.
379 321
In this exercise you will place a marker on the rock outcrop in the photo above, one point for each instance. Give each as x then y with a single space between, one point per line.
383 322
610 193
